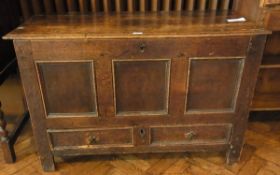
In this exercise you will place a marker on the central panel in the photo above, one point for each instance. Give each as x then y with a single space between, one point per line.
141 86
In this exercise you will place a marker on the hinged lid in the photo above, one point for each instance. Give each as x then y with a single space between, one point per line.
141 25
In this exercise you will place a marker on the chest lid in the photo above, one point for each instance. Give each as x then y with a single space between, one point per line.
137 25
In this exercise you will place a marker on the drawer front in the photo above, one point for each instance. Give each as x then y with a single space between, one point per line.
195 134
273 21
79 138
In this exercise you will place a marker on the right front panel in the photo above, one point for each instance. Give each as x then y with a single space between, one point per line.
213 84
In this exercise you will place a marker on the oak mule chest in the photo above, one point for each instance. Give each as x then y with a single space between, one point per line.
138 83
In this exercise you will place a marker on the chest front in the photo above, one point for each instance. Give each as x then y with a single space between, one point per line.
156 93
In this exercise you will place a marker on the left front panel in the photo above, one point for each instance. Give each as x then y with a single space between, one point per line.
68 88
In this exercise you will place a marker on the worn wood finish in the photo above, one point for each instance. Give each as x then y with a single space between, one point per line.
130 5
72 6
213 4
153 98
55 100
122 92
154 5
188 25
266 13
60 6
106 6
79 138
37 7
190 5
259 156
201 5
194 134
83 5
255 52
29 75
118 6
225 4
143 5
49 7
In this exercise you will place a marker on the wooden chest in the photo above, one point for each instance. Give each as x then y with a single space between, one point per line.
138 83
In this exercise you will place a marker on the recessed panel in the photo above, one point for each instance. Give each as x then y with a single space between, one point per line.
213 84
141 87
68 87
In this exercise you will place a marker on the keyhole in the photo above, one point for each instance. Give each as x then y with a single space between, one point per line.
142 47
142 132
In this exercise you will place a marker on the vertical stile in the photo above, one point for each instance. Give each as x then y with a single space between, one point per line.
49 6
190 5
71 6
106 6
130 5
154 5
26 12
83 4
202 5
178 5
225 5
166 5
37 7
118 5
59 6
213 4
94 5
223 15
234 5
212 16
142 5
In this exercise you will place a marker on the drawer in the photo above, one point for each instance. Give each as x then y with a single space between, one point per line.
192 134
79 138
273 21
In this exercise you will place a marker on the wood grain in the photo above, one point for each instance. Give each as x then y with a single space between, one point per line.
257 158
117 26
132 74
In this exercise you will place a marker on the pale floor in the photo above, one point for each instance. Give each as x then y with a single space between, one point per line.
261 153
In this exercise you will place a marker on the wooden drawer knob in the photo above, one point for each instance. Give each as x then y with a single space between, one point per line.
190 135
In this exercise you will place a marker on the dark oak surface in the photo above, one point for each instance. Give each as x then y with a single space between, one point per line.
260 155
125 25
94 87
